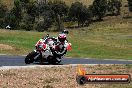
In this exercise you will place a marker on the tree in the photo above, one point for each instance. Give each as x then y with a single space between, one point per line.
80 12
45 17
59 7
32 10
75 11
27 23
46 22
43 25
118 5
87 18
29 11
43 8
3 12
17 10
60 10
13 18
114 7
130 5
24 3
99 8
84 16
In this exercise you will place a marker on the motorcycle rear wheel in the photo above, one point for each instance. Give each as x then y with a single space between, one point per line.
53 60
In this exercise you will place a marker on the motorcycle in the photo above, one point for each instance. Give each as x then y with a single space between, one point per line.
44 52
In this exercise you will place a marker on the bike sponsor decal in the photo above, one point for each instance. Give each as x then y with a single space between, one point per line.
83 78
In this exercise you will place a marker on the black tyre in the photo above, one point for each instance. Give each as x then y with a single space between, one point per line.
81 80
58 60
30 57
51 60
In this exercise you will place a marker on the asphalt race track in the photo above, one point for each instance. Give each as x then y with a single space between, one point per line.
8 60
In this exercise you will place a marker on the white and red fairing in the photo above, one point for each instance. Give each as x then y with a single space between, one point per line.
45 50
50 43
42 44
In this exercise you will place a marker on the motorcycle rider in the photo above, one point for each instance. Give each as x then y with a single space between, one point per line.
59 46
50 49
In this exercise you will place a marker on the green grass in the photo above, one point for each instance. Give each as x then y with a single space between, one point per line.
110 39
21 41
107 39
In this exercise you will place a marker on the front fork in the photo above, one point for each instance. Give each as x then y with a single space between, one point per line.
37 56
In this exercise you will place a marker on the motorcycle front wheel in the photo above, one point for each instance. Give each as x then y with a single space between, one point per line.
30 57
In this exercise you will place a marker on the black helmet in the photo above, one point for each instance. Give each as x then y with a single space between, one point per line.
65 31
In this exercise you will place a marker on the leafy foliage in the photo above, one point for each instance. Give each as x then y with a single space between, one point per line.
130 5
60 10
3 12
13 18
80 12
45 17
17 10
32 9
27 22
45 22
30 15
114 7
59 7
99 8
